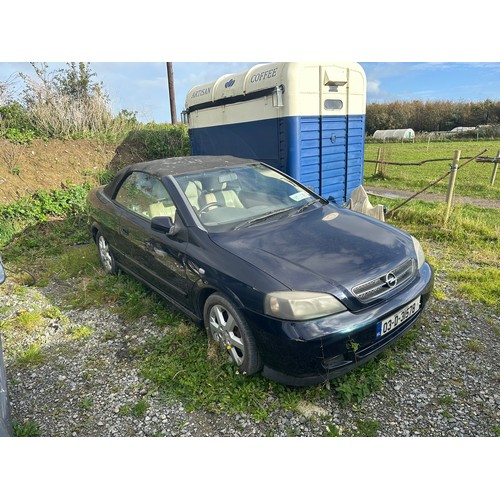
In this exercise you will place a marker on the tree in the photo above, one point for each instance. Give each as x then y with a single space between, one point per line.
76 81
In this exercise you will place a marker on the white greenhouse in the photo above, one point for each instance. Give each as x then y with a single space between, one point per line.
399 134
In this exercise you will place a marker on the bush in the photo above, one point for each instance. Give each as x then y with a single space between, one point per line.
15 124
15 116
162 140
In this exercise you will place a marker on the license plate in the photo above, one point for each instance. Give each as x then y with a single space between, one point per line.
388 324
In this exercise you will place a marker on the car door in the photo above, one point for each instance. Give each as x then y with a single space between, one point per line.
155 257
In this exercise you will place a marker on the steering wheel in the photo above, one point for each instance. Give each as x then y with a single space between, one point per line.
208 205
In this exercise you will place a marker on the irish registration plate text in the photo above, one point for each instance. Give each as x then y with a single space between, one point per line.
388 324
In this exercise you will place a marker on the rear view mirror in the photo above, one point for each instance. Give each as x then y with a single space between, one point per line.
229 177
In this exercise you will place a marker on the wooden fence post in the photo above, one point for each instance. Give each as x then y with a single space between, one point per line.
494 173
451 185
377 165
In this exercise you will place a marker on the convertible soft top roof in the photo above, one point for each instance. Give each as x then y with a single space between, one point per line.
176 165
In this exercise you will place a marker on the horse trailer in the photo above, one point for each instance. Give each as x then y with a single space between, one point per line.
306 119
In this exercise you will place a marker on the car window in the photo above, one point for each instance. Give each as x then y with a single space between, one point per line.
146 196
224 198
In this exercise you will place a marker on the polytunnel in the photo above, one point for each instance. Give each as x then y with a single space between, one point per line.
397 134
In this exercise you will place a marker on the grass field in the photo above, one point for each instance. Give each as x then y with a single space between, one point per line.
473 179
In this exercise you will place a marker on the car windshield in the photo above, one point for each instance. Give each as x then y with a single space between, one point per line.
234 197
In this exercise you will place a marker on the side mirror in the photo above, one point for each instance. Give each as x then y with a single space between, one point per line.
165 225
2 272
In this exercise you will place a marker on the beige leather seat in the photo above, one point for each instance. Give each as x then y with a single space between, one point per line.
192 192
216 192
224 197
161 209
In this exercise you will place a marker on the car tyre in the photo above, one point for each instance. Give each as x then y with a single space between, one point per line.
105 254
227 326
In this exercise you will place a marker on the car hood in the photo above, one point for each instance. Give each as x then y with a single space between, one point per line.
323 249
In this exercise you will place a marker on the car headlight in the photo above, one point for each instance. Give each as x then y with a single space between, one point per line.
298 306
419 252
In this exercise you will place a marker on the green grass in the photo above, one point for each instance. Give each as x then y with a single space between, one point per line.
138 409
26 429
446 400
184 367
31 356
42 206
479 285
81 332
367 428
474 345
86 404
472 180
27 321
467 251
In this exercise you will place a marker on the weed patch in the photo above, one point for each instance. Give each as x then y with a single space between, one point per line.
81 332
474 345
27 321
481 285
367 428
26 429
31 356
181 368
138 410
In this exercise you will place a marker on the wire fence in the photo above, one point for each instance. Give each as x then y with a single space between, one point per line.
380 164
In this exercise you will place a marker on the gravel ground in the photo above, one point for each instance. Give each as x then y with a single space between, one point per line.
88 382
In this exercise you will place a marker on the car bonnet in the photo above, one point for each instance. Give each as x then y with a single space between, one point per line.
323 249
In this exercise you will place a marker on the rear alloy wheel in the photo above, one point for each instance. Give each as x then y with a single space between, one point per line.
230 330
105 255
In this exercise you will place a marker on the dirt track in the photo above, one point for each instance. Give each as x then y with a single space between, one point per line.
460 200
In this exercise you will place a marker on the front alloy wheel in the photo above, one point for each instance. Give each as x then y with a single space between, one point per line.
229 329
105 255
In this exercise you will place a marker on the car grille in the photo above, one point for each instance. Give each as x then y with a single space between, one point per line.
379 286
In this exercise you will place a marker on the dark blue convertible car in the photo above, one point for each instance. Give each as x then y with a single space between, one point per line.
287 282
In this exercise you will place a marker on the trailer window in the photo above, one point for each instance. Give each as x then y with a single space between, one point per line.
333 104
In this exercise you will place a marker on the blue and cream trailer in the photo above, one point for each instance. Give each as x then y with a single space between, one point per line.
307 119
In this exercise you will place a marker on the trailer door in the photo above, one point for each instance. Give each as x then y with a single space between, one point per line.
334 131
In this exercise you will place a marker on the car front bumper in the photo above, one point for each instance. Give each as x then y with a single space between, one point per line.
304 353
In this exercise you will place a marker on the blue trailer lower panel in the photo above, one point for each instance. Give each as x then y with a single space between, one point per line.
323 152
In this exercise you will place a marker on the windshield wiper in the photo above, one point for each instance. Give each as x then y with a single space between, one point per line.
260 218
308 204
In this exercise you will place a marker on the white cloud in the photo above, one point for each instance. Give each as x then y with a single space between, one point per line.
373 88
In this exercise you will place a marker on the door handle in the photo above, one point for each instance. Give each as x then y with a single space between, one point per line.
125 230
